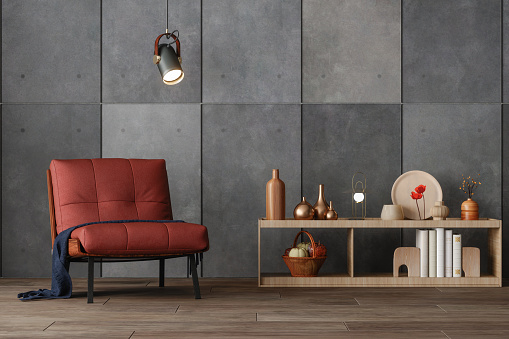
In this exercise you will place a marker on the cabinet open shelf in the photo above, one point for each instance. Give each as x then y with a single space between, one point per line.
350 279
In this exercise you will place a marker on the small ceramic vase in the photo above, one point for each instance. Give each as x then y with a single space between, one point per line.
320 206
469 210
439 211
275 197
331 214
392 212
304 211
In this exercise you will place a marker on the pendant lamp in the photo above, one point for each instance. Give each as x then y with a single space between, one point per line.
167 60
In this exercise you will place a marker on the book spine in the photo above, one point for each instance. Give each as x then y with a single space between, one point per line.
440 252
421 242
448 253
432 248
456 255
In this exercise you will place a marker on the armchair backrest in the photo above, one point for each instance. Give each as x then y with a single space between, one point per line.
91 190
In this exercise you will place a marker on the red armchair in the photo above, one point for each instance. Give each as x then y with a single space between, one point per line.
97 190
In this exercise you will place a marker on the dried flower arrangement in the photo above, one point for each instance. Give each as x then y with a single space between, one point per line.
468 185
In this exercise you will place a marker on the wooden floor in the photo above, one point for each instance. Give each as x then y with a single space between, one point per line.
137 308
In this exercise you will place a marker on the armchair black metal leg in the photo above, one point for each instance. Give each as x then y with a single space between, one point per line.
90 291
161 272
201 262
194 273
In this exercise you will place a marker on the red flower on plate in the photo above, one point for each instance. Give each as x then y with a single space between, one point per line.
420 189
415 195
418 194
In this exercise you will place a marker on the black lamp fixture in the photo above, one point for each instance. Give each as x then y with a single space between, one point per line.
167 60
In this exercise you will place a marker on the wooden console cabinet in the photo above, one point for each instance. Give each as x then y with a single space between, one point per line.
349 279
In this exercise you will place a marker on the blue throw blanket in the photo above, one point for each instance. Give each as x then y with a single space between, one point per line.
61 283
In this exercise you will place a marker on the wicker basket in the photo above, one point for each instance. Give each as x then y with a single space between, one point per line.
304 266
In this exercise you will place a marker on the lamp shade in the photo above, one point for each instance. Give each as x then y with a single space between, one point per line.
169 65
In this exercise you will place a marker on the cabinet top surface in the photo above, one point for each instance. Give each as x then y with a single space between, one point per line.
379 223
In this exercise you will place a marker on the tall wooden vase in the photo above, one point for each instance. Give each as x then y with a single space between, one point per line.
469 210
275 197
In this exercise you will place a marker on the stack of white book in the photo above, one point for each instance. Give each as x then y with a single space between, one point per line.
440 252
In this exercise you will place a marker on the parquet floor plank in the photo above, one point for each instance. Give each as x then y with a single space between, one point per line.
474 334
353 313
444 324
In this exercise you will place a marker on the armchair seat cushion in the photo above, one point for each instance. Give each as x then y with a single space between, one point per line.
147 238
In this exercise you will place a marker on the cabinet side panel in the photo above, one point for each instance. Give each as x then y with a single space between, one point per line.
349 253
495 252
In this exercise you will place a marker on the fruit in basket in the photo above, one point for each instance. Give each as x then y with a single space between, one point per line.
287 251
304 245
298 252
321 250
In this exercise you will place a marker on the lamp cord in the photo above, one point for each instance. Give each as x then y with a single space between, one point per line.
169 34
167 24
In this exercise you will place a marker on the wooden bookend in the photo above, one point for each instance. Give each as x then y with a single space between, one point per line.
409 256
471 262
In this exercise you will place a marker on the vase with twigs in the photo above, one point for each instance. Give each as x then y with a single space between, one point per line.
469 208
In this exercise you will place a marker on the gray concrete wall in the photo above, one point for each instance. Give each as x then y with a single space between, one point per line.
320 89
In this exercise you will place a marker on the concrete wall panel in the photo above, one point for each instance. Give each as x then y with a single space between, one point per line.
241 146
33 135
505 192
337 142
449 141
156 131
51 51
451 51
505 51
251 51
351 51
130 29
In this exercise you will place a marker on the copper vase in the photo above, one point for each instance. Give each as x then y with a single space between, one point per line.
304 211
331 214
469 210
275 197
321 206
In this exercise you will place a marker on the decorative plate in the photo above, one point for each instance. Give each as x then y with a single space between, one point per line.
406 184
